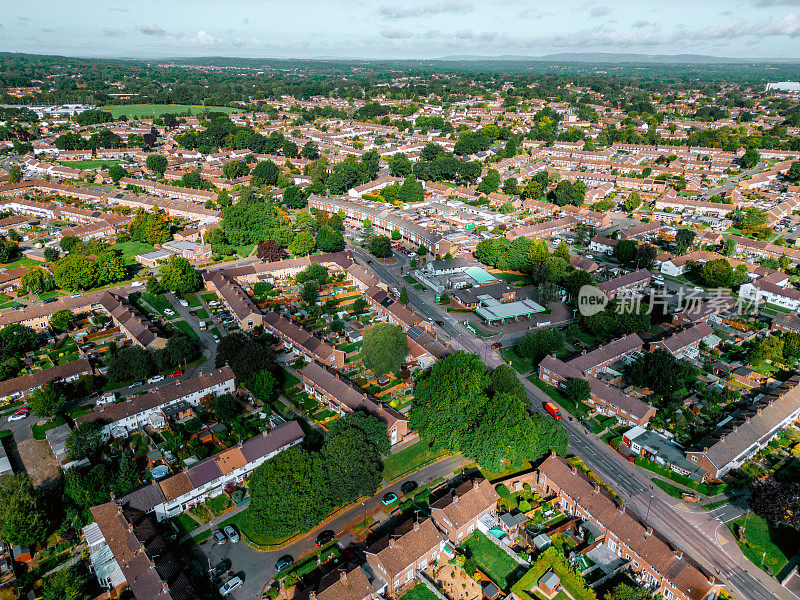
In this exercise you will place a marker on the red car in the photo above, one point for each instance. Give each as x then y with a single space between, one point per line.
176 373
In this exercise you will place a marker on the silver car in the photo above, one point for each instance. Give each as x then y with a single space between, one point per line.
230 585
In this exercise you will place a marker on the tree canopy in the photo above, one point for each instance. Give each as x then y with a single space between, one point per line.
385 348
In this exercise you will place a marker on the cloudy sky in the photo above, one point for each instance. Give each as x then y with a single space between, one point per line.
399 28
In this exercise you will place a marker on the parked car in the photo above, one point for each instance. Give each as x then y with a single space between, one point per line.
215 336
220 568
76 295
176 373
169 311
230 585
135 384
284 562
219 537
183 302
408 486
49 300
137 283
232 534
21 414
324 537
388 498
155 379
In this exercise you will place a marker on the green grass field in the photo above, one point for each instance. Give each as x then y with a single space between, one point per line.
156 110
490 559
130 249
408 460
765 546
90 164
420 592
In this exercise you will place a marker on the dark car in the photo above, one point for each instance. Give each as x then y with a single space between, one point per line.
408 487
389 498
221 568
325 536
440 323
49 300
284 562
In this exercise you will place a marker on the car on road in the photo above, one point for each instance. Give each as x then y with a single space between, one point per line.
137 283
169 312
324 537
440 323
49 300
21 414
183 302
219 537
408 486
388 498
230 585
76 295
497 345
155 379
284 562
232 534
176 373
216 337
135 384
698 289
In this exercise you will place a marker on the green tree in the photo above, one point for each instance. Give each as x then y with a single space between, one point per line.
535 346
157 164
46 401
353 466
15 174
396 234
751 158
626 592
399 165
313 272
302 244
16 340
234 169
684 238
23 519
371 426
578 390
226 408
411 190
117 172
131 363
289 494
310 292
84 441
330 240
385 348
66 584
504 380
359 305
264 386
37 281
265 173
178 275
245 356
153 286
633 201
793 173
380 246
62 320
490 182
404 295
661 372
127 478
625 250
51 254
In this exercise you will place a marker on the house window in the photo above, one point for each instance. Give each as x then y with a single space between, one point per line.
409 575
423 564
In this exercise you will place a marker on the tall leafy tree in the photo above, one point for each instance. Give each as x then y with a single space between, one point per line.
23 519
385 348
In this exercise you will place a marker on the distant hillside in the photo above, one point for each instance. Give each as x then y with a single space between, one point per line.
611 57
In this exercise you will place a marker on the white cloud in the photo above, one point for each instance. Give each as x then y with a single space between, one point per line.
151 29
112 32
599 11
769 3
420 10
395 33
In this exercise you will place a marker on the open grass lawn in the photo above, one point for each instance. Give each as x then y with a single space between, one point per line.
672 490
209 297
761 538
131 249
420 592
185 523
513 278
523 365
157 301
201 314
409 460
22 262
53 294
219 504
490 559
242 525
193 300
90 164
187 329
150 110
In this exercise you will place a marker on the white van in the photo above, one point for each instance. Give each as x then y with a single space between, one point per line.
107 398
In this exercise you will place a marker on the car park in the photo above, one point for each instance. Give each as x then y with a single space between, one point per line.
232 534
219 537
156 379
324 537
284 562
408 486
389 498
230 585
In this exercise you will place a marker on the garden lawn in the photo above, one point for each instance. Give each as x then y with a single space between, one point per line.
158 302
156 110
409 460
578 410
490 559
193 300
185 523
130 249
187 329
761 538
523 365
672 490
242 525
420 592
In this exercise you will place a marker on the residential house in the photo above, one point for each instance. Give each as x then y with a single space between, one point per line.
457 514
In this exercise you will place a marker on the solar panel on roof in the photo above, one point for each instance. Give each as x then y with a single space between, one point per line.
413 332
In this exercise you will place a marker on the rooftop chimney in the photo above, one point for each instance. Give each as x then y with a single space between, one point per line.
648 531
711 580
475 484
596 489
574 469
416 526
391 542
679 554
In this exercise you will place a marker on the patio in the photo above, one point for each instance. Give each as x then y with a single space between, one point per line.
456 584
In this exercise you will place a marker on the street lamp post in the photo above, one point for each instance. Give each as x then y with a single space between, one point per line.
648 508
